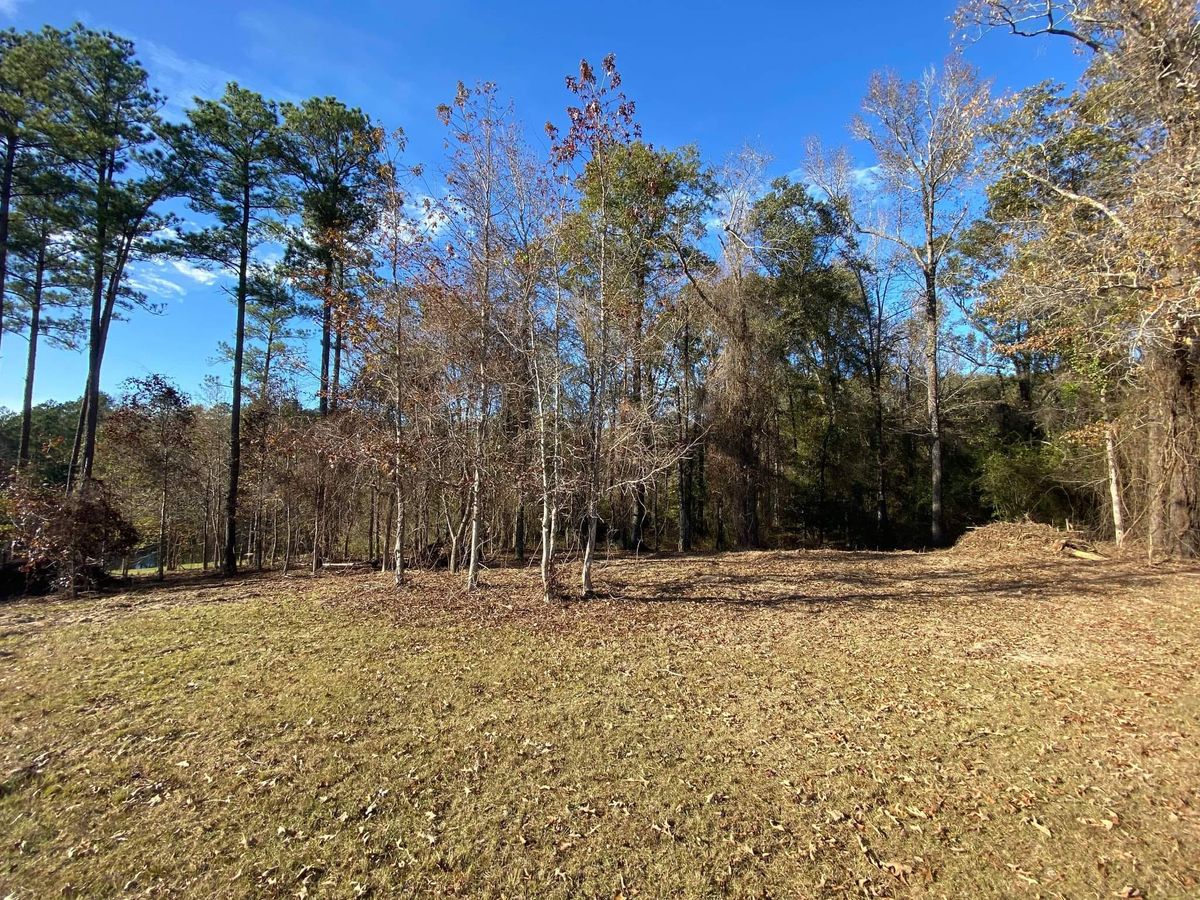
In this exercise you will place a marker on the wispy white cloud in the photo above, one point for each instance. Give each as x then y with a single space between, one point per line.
866 178
154 285
8 8
303 50
158 278
195 273
181 78
268 254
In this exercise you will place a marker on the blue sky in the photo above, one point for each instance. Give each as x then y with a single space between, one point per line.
716 74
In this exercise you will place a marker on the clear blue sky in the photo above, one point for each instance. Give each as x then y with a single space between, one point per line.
717 74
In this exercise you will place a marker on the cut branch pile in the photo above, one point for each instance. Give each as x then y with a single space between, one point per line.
1018 538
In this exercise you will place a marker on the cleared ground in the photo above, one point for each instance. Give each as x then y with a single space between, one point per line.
761 724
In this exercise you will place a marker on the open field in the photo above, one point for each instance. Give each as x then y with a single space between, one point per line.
757 724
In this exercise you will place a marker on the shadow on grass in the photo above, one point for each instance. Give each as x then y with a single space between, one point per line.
838 581
812 581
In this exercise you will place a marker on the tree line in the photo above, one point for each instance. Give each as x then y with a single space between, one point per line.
547 350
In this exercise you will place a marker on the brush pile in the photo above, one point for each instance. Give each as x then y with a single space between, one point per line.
1024 539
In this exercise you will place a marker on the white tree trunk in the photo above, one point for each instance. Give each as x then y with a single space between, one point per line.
1114 482
476 485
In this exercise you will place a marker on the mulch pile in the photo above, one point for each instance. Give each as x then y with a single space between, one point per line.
1019 538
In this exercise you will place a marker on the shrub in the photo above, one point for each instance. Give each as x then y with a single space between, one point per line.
67 535
1023 481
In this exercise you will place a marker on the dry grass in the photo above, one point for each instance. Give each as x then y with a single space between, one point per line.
773 724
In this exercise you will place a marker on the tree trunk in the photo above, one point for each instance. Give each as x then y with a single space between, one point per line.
476 489
287 538
387 532
684 413
371 517
548 516
638 513
317 503
259 541
452 535
600 385
1112 460
326 316
35 324
548 456
519 529
1175 461
335 386
235 415
933 407
6 183
77 441
398 546
593 499
85 434
1114 482
398 458
480 436
589 548
882 526
104 298
456 535
162 529
685 504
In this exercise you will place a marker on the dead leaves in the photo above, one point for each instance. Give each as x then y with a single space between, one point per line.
698 743
1108 823
1036 823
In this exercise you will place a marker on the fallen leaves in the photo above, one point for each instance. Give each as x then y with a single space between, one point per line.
855 723
1039 825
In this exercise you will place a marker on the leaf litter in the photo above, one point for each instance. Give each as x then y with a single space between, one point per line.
993 722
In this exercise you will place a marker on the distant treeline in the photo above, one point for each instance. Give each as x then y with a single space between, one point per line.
615 345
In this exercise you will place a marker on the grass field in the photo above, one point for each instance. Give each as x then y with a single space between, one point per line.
758 725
